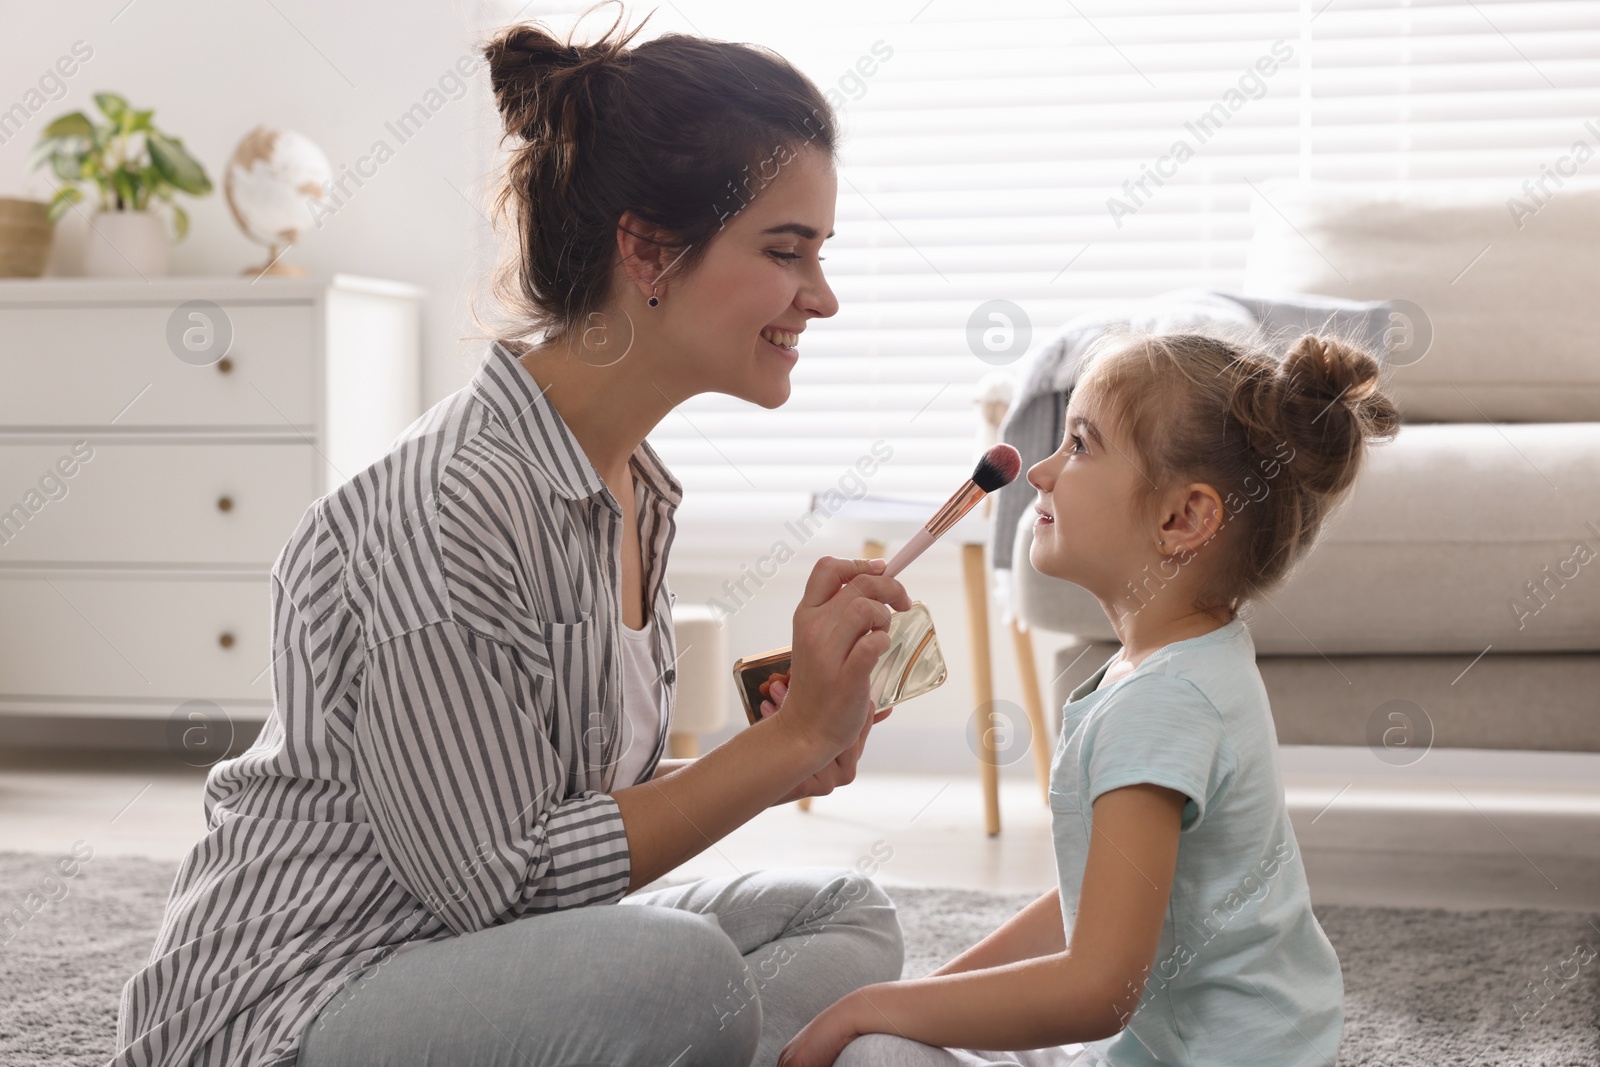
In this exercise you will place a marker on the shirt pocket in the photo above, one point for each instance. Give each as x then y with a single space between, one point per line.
1064 776
585 731
1064 801
1064 795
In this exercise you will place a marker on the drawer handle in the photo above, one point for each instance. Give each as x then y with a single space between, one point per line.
225 639
224 365
224 503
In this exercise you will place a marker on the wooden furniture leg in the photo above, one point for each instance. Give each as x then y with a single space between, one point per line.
977 583
869 550
1034 705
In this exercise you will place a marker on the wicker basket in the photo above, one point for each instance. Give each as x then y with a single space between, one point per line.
25 234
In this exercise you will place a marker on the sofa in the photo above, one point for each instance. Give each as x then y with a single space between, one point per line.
1453 600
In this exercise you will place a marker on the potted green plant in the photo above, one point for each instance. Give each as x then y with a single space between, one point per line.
129 162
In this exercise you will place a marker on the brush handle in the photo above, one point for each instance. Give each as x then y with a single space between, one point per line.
913 548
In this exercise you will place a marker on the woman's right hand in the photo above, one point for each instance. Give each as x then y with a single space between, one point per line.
840 631
808 747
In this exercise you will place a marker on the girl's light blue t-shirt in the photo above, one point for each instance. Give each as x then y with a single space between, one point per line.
1243 973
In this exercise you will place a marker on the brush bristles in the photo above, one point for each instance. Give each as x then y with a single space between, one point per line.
999 466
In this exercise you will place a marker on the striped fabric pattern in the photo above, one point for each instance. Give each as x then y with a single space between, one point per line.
446 723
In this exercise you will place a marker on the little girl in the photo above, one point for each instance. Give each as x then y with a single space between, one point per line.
1195 471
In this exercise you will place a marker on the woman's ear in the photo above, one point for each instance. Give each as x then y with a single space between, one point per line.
645 253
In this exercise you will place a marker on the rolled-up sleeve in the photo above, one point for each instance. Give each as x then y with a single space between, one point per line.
464 788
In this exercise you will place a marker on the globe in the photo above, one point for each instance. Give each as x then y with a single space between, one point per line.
270 181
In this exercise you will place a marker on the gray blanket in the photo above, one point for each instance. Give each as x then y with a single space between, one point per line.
1033 423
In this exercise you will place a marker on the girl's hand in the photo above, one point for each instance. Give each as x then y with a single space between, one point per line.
819 1043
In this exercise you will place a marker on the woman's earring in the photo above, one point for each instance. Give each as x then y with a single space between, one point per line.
654 300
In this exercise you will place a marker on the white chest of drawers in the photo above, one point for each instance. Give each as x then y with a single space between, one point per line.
159 441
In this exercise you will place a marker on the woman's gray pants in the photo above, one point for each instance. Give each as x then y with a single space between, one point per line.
716 973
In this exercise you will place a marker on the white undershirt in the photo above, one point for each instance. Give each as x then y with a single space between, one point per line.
641 705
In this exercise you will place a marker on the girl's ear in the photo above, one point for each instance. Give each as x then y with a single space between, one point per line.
1200 517
1195 521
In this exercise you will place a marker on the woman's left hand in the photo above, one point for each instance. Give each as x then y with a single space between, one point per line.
843 767
819 1043
777 687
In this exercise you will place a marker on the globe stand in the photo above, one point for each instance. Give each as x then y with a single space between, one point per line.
274 267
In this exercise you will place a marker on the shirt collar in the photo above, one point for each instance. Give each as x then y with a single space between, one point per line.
518 402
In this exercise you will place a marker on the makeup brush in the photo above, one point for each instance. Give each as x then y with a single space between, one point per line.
999 466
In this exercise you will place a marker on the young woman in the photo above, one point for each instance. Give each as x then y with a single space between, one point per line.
1194 472
473 649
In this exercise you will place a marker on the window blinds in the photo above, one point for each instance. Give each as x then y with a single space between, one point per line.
1056 155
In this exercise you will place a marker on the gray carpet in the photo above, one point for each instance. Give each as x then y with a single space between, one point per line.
1423 987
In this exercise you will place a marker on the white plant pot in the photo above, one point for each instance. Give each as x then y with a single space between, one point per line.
126 244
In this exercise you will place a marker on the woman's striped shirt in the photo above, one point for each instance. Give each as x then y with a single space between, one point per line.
447 717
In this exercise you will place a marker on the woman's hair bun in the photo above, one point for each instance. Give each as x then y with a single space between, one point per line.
531 72
656 144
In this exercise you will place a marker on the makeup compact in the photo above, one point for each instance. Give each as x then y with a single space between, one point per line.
912 664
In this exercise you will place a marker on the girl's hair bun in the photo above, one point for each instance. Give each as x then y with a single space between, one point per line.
1276 425
1324 403
1330 366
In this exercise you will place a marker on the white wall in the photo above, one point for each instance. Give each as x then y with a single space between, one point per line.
337 73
